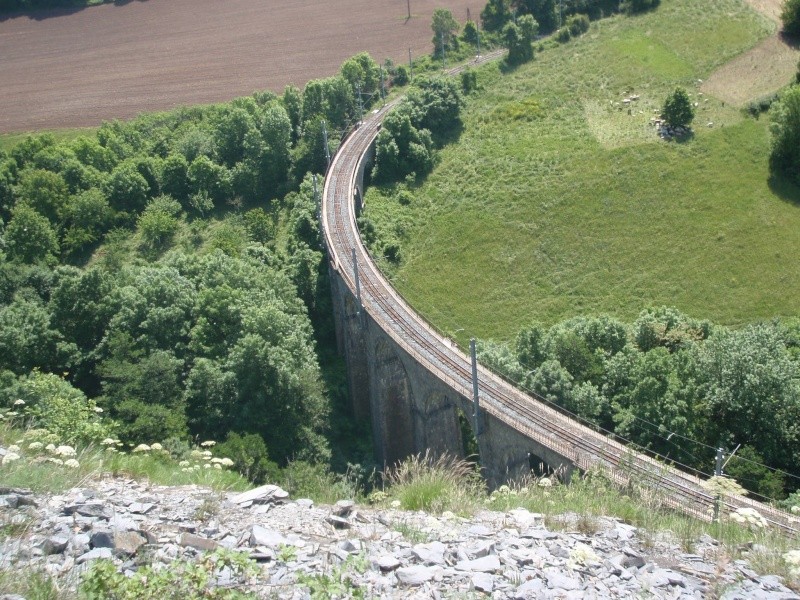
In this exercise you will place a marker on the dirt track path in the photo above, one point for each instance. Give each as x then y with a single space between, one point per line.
760 71
78 68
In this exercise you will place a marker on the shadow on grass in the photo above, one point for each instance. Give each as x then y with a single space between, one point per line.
793 41
784 188
450 136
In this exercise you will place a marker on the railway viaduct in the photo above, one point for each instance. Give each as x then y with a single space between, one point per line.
413 383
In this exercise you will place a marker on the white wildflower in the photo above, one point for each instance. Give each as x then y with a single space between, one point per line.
523 491
108 442
183 463
50 447
226 462
545 482
582 555
796 510
207 466
35 446
142 448
217 466
792 559
10 457
65 451
196 468
12 413
196 454
207 454
98 410
72 463
503 489
156 446
395 504
215 461
55 461
208 444
749 517
13 448
19 402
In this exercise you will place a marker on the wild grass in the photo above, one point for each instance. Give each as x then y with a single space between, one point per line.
435 484
36 473
31 585
9 140
555 201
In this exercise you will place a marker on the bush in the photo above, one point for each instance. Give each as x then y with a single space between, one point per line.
785 127
791 17
678 110
563 35
577 24
632 7
249 455
401 75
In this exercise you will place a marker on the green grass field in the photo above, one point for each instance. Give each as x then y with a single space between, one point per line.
9 140
556 201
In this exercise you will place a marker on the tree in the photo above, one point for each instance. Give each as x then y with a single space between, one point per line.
159 222
637 6
785 127
126 189
518 37
678 110
445 28
470 34
44 191
29 238
790 16
88 217
495 15
544 11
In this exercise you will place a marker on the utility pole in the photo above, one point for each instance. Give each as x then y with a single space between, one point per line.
560 14
318 202
408 2
327 150
476 415
358 285
478 29
360 104
444 58
383 92
718 473
410 67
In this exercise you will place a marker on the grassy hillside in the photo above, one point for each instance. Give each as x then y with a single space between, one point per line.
557 201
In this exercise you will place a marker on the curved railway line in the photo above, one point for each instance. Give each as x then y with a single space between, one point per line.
581 445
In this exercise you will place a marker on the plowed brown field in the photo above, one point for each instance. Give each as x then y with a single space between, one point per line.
78 68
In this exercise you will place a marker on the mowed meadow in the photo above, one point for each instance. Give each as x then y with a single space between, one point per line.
559 199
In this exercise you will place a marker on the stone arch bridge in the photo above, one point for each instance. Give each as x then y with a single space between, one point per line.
414 384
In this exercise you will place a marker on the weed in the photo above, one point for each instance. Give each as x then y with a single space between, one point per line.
338 583
206 509
415 535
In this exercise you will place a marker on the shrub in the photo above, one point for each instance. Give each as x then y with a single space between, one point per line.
577 24
435 484
249 455
158 222
785 127
791 17
632 7
563 35
678 110
401 75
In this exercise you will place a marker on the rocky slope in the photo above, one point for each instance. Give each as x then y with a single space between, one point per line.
383 553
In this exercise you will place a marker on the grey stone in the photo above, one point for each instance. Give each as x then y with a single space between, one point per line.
55 544
261 536
486 564
128 542
9 501
94 509
387 563
343 508
559 581
191 540
432 553
338 522
483 582
102 538
94 554
416 575
265 493
140 508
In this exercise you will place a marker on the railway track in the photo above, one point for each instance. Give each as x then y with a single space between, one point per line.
581 445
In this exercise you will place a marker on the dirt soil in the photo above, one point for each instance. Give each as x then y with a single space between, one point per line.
760 71
76 68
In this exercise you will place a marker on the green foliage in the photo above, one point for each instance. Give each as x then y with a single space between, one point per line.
790 17
126 188
445 30
678 110
249 455
546 12
182 579
517 37
638 6
339 583
52 403
495 15
29 339
785 127
313 480
435 484
29 237
577 24
44 191
158 222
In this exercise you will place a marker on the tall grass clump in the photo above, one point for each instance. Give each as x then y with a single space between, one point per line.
435 484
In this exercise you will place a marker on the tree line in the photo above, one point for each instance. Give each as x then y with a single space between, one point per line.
675 385
168 272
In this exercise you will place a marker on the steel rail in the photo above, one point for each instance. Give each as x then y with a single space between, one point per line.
531 416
